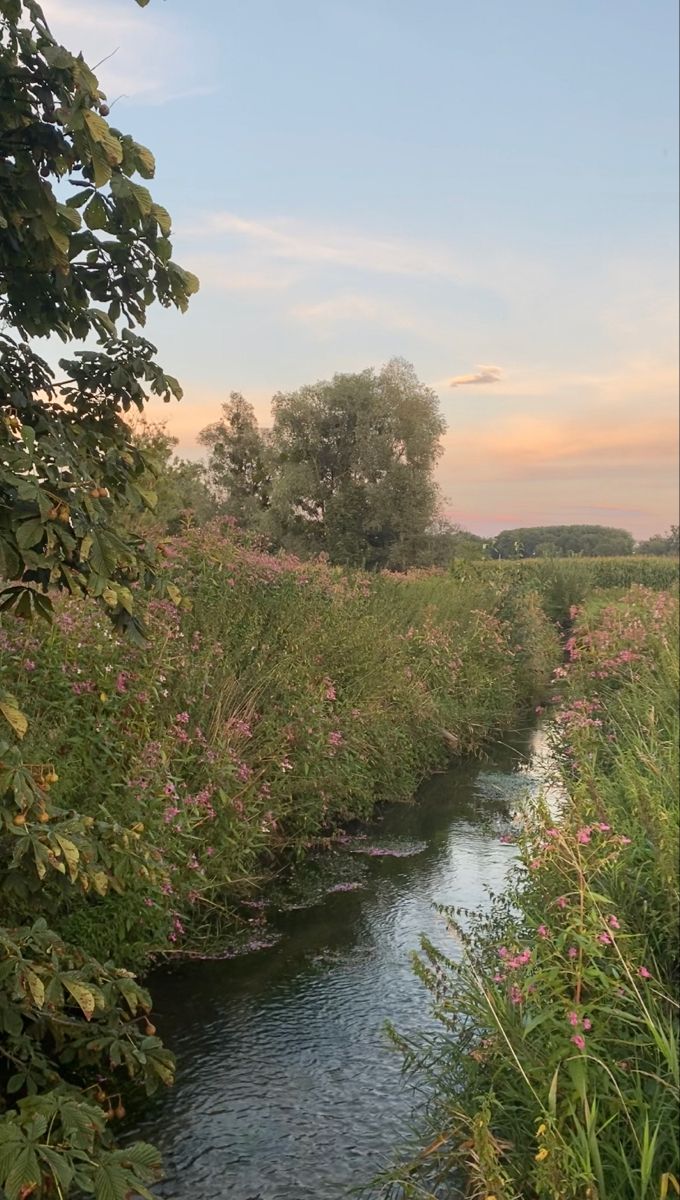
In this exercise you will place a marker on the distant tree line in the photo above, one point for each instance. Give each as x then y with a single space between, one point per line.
347 470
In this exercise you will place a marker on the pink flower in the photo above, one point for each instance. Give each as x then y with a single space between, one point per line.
182 718
534 864
170 812
502 952
561 902
335 738
552 833
583 835
624 841
515 995
613 922
28 664
498 978
604 938
587 1023
543 931
572 1018
579 1041
573 952
644 973
603 828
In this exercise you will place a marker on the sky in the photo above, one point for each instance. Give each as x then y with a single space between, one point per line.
486 189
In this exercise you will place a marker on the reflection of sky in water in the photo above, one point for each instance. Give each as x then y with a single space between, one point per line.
287 1088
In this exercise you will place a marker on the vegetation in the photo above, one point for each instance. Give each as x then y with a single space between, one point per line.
346 470
563 583
557 1073
661 543
561 541
84 249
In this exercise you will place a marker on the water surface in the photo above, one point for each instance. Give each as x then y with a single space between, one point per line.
287 1088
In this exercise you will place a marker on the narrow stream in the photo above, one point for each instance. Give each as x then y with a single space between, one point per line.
287 1088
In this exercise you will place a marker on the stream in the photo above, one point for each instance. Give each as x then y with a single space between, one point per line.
287 1087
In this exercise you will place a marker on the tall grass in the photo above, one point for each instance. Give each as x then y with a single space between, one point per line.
556 1074
276 701
564 582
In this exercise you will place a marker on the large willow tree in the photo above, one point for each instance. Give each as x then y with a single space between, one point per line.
84 252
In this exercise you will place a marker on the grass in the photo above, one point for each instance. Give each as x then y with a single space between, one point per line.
556 1074
275 702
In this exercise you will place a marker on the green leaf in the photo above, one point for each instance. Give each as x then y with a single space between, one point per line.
95 214
111 1182
30 533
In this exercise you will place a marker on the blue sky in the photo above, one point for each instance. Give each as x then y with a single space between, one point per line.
466 185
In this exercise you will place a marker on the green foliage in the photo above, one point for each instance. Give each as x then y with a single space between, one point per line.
556 1073
83 246
240 464
177 488
354 461
565 582
661 543
558 541
273 702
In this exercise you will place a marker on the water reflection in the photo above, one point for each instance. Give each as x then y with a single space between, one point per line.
287 1088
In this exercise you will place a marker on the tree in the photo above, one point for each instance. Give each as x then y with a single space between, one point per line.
239 465
661 543
355 457
181 492
555 541
83 246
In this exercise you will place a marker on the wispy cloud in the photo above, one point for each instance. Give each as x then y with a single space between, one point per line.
354 308
481 375
297 242
142 56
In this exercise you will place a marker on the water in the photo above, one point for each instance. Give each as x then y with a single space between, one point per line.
287 1088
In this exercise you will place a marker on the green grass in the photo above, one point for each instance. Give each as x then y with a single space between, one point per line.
556 1074
278 701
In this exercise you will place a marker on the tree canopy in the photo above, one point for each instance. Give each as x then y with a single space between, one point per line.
561 541
240 461
84 251
661 543
354 458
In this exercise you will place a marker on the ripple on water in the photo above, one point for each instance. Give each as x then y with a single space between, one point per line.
287 1087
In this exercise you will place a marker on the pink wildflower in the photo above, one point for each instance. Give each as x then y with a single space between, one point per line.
583 835
543 931
604 938
515 995
561 902
613 922
182 718
28 664
335 738
587 1023
579 1041
644 973
572 1018
573 952
603 827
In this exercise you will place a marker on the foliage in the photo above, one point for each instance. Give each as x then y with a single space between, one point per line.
565 582
557 1071
354 466
276 701
84 245
180 488
240 464
557 541
661 543
84 249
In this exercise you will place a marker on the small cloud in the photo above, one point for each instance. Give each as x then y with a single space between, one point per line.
481 375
